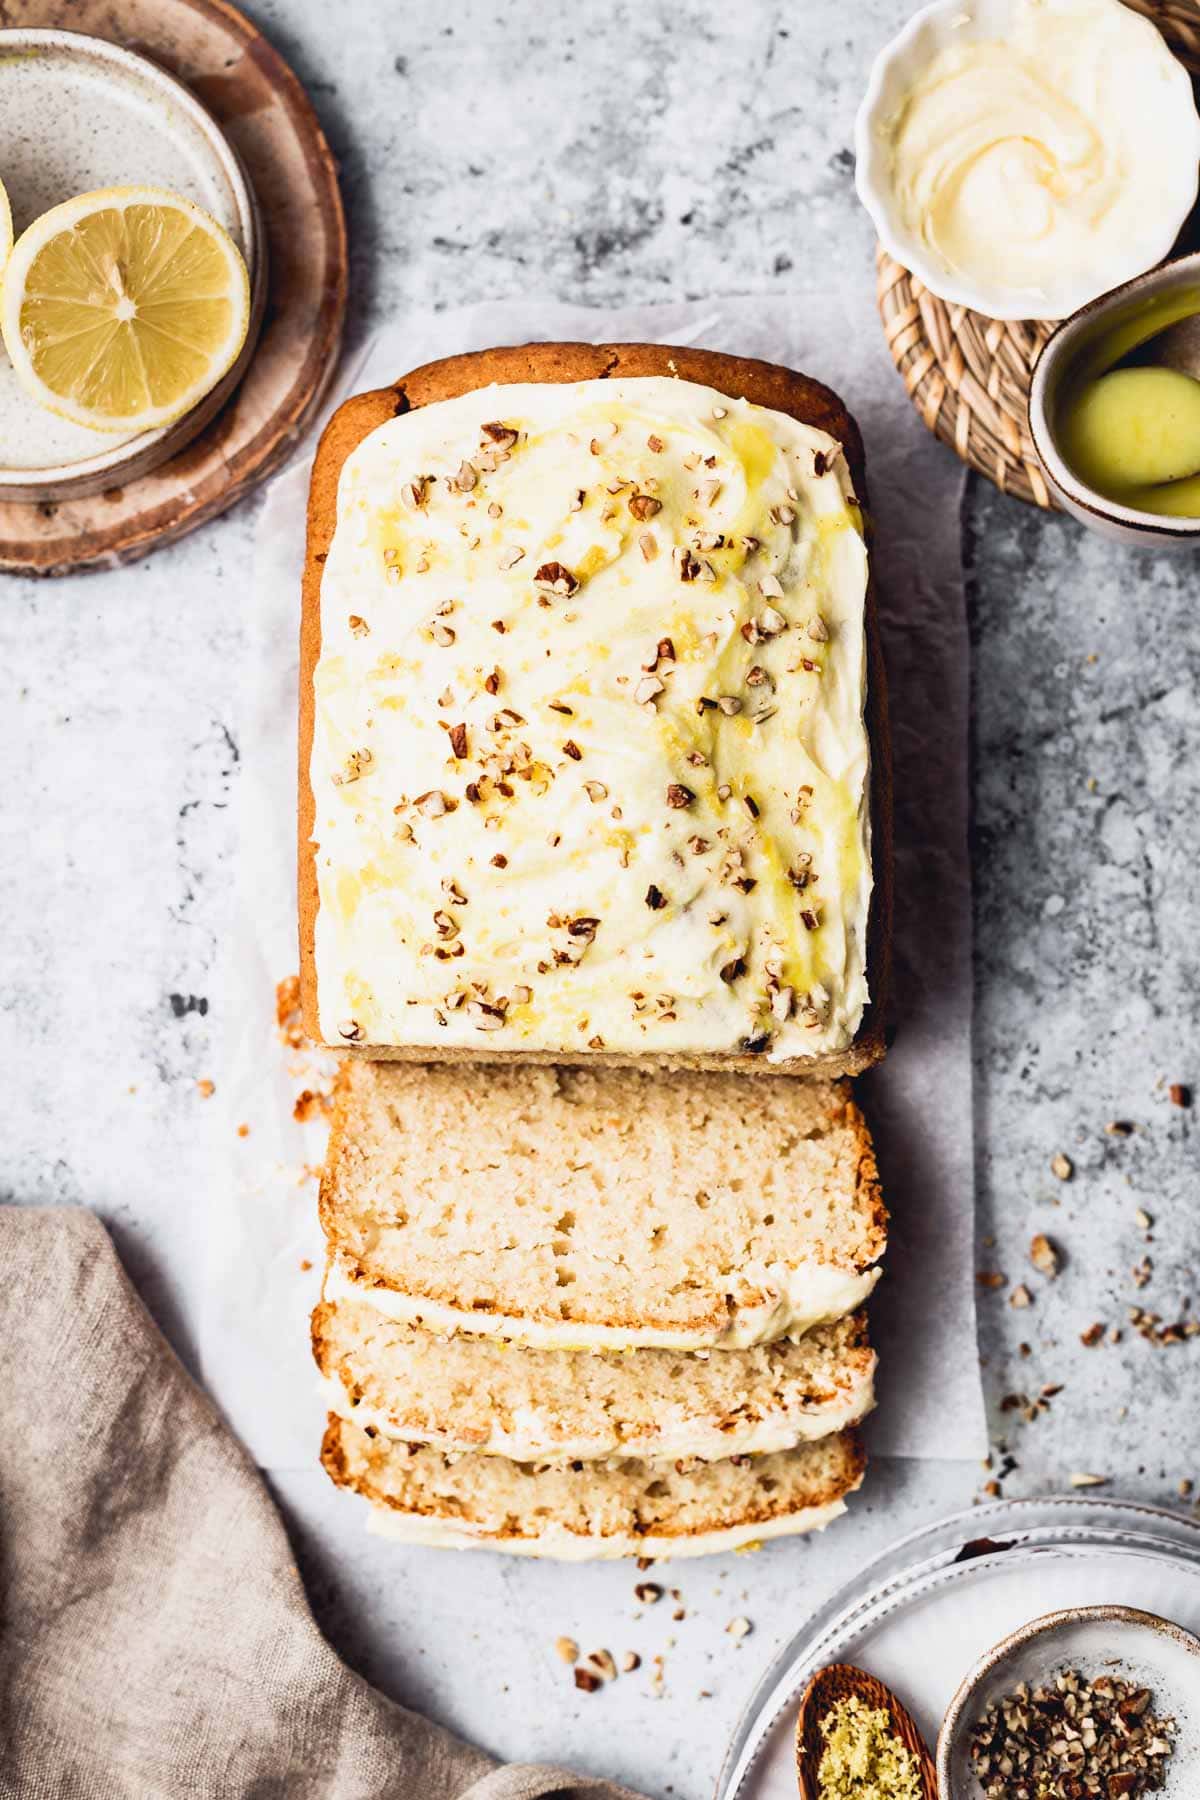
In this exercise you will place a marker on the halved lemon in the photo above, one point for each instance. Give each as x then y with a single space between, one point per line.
122 308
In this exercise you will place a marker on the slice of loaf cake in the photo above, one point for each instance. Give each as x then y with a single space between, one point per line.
621 1507
468 1393
600 1208
593 754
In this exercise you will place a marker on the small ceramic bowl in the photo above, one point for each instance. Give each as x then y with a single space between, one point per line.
1096 1640
78 113
1179 280
895 73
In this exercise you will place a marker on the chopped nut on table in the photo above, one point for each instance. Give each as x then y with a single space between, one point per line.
1070 1738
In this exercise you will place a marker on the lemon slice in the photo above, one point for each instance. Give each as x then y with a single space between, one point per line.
122 308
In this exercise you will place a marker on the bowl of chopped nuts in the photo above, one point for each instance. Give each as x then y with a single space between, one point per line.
1101 1700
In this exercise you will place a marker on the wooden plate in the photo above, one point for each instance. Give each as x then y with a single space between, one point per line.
265 113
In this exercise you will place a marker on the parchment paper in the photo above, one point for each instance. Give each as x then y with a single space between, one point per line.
262 1231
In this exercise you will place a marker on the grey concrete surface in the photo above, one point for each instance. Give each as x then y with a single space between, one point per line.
601 153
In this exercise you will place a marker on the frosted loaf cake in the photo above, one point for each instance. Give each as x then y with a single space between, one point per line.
588 704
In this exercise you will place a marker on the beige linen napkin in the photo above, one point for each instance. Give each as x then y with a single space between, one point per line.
155 1640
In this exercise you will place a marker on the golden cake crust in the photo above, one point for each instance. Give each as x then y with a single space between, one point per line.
763 384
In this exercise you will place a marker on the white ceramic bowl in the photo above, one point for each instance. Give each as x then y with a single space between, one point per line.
1071 342
894 74
78 113
1096 1640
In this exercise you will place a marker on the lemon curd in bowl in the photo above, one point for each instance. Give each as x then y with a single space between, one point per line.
1129 427
1114 410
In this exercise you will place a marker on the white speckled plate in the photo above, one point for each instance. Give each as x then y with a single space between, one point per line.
923 1613
77 113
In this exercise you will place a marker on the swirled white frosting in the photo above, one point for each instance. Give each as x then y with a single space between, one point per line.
589 758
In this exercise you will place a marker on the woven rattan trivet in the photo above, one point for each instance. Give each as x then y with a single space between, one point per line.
967 375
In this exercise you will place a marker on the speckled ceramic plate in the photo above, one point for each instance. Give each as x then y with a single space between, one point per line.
77 113
924 1612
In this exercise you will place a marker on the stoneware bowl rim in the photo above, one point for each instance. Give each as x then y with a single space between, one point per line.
874 187
1043 1628
1162 526
136 455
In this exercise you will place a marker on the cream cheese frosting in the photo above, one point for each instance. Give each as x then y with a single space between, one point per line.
1048 150
560 1544
797 1300
589 760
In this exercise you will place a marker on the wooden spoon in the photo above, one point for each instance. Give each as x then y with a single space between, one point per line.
827 1687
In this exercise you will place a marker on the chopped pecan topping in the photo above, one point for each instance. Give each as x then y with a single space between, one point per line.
678 795
354 767
555 578
644 506
485 1016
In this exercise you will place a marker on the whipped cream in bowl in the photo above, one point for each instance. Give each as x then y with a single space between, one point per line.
1024 156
